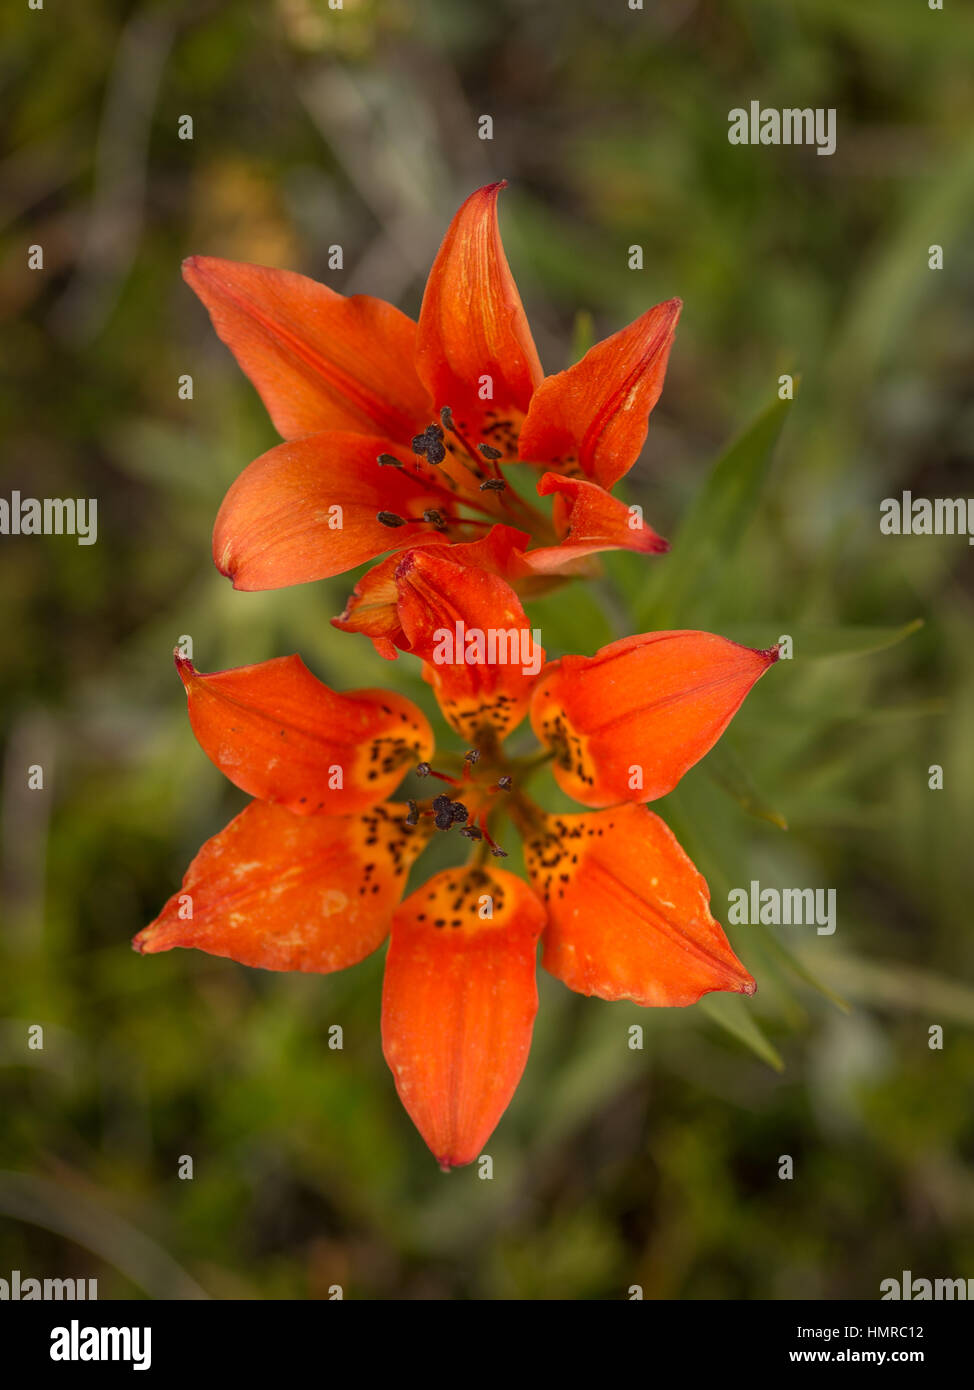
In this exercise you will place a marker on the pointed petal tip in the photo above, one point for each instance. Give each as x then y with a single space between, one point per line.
749 986
194 268
200 265
769 655
449 1164
143 943
243 581
221 548
184 665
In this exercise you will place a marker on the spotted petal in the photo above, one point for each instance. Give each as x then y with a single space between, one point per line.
282 735
628 914
459 1002
287 892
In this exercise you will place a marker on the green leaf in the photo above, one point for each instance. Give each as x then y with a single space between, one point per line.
731 1013
826 643
727 769
893 985
561 619
895 281
715 523
799 968
583 334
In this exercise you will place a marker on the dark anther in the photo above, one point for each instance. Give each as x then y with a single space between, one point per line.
443 812
390 519
504 783
429 444
472 832
497 852
389 461
493 485
413 816
473 756
423 769
435 518
489 452
446 418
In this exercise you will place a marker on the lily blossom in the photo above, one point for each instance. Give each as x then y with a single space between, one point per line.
310 876
398 433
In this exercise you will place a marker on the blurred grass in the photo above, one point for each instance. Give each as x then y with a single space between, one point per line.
613 1166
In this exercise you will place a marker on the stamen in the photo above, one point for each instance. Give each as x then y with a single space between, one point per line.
495 848
424 770
429 444
492 455
390 519
435 518
503 784
473 756
413 817
472 832
447 813
389 461
493 485
446 415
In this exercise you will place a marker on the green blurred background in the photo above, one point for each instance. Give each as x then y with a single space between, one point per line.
613 1167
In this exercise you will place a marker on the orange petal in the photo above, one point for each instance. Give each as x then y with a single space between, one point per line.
468 626
472 326
309 509
628 914
627 723
373 608
589 519
282 735
374 604
458 1004
286 892
594 416
319 361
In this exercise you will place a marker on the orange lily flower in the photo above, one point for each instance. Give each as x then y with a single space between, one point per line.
311 874
398 433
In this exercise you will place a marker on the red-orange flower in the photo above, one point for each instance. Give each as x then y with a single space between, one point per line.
398 433
310 875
